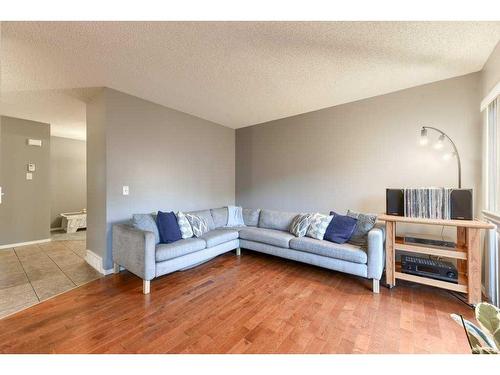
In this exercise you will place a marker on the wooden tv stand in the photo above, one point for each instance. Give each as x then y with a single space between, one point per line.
467 253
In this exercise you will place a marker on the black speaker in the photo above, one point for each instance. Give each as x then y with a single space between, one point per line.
461 204
394 202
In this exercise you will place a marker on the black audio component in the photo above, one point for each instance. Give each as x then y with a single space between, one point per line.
461 204
433 242
434 269
394 202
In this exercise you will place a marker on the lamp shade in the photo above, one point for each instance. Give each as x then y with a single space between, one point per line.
439 143
423 137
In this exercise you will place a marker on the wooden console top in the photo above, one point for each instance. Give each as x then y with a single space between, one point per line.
451 223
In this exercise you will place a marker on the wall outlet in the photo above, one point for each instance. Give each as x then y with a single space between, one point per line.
125 190
29 176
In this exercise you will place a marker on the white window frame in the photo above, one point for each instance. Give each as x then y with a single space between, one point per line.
490 107
492 157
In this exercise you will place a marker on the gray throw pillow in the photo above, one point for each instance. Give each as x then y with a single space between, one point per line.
198 224
146 222
299 225
365 223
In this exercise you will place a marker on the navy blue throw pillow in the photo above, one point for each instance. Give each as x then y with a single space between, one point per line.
340 228
168 227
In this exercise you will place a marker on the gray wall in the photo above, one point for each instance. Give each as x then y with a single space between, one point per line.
344 157
68 186
490 75
169 159
25 208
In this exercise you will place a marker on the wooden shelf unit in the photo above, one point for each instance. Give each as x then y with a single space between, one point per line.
454 253
467 253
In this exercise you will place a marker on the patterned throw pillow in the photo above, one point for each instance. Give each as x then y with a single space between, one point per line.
299 225
184 225
318 226
365 223
198 224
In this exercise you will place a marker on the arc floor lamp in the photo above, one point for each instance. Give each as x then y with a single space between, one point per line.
439 144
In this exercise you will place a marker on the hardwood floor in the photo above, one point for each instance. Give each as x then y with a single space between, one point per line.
253 304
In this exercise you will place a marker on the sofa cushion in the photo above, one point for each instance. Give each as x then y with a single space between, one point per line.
344 251
235 216
178 248
219 216
276 219
237 229
168 227
198 224
340 228
365 223
146 222
318 226
207 215
217 236
268 236
251 216
300 224
184 225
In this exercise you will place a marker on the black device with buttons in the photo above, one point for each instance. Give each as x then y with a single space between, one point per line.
434 269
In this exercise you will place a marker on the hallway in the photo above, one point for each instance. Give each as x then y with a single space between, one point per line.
31 274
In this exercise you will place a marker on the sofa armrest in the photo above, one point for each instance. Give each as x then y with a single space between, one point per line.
134 249
376 253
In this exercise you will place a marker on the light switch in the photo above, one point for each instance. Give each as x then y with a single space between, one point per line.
125 190
35 142
31 167
29 176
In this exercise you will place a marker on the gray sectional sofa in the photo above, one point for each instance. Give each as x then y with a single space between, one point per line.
266 231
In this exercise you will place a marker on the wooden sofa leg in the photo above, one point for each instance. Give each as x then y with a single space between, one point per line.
146 286
116 268
376 286
238 251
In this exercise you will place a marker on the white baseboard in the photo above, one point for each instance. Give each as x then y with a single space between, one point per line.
19 244
96 262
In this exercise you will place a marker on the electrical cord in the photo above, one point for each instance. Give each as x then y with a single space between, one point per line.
460 298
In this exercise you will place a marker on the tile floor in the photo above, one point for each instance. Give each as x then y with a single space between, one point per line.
34 273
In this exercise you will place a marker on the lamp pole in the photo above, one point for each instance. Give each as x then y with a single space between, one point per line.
424 128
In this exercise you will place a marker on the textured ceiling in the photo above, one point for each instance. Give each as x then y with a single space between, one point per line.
239 73
64 109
